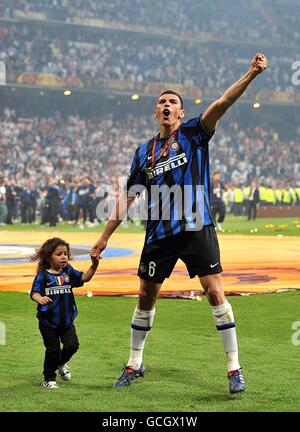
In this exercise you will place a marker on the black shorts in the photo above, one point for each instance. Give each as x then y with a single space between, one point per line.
199 250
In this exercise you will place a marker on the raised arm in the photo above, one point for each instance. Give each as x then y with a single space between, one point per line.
218 108
116 218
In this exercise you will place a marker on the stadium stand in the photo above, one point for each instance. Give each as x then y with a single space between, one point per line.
271 20
111 49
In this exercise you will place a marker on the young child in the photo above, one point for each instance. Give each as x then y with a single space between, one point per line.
56 310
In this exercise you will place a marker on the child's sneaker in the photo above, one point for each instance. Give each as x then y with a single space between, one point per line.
50 384
64 372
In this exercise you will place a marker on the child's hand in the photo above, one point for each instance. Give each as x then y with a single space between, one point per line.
99 247
44 300
95 260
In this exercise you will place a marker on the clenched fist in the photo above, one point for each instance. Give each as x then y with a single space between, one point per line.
258 64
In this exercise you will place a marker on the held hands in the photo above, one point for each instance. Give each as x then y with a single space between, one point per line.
258 64
95 260
97 249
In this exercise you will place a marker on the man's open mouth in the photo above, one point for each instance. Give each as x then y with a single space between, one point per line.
166 113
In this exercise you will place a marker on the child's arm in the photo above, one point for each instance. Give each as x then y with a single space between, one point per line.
36 290
91 271
42 300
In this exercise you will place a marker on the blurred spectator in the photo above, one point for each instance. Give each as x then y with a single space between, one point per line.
216 199
3 207
253 200
10 200
26 203
54 199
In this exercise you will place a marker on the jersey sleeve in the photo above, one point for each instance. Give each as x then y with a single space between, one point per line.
136 176
197 132
37 284
75 277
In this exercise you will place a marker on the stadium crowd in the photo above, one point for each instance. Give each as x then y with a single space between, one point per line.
71 160
135 60
57 165
272 20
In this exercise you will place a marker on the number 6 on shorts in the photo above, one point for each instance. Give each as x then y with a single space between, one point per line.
151 270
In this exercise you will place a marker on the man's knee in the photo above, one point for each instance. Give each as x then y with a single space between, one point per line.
211 282
146 300
213 288
148 294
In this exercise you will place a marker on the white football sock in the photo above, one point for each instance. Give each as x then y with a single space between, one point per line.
225 324
141 324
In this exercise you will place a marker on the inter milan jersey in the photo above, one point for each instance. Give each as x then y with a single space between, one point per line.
62 311
184 169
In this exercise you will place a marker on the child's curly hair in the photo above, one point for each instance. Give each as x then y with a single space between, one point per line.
43 254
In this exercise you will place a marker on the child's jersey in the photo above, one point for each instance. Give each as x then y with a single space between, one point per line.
62 311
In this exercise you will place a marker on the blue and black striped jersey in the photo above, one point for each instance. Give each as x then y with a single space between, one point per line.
62 311
185 165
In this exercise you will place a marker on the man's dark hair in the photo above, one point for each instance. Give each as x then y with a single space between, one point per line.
174 93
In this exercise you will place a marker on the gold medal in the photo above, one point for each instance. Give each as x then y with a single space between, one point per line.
149 172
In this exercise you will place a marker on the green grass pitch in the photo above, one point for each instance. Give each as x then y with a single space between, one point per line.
232 225
184 358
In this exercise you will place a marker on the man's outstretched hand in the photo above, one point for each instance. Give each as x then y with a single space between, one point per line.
98 248
258 64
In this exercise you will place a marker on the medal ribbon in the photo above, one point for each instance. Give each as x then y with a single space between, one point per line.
163 150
